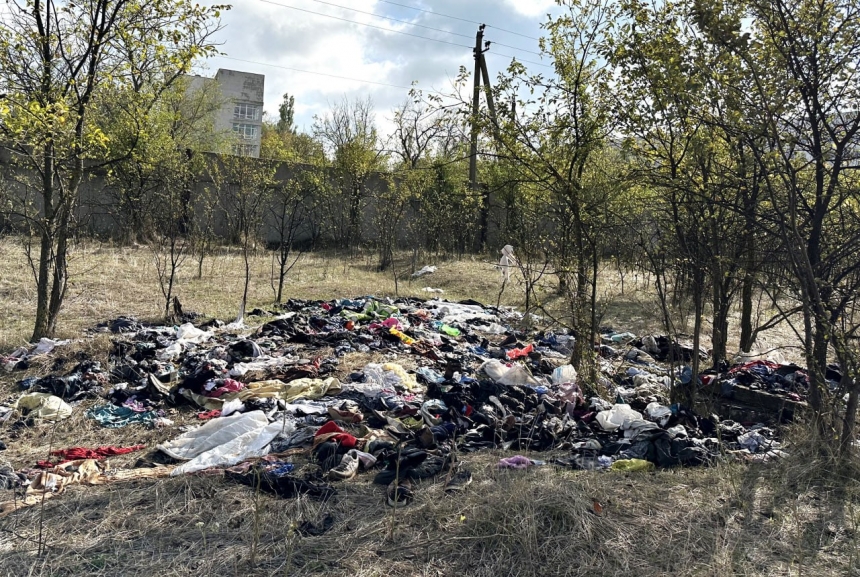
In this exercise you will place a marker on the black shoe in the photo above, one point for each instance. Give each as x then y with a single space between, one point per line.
400 494
459 481
431 467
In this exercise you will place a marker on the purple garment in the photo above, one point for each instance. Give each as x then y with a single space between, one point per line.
515 462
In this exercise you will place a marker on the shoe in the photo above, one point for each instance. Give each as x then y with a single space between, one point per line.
459 481
426 439
509 340
400 494
347 469
345 414
431 467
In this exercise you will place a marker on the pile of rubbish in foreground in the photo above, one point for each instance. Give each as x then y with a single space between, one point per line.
287 407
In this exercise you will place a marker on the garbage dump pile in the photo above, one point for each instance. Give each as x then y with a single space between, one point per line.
288 407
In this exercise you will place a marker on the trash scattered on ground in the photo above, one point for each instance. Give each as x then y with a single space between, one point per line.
284 406
429 269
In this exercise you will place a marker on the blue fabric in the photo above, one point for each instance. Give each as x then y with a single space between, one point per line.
114 417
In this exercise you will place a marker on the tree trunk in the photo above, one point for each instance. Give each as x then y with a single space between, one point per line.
719 336
43 289
746 312
698 306
850 420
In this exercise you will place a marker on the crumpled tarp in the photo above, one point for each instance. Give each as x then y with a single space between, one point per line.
222 442
43 406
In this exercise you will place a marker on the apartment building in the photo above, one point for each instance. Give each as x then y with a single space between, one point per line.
241 115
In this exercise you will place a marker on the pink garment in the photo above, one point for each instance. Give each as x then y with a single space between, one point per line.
225 386
515 462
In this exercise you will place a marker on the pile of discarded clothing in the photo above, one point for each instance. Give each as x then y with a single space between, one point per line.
284 406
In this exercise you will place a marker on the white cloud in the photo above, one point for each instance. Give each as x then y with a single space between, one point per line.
272 35
532 7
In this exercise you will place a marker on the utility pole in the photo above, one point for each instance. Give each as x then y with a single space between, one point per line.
476 96
481 72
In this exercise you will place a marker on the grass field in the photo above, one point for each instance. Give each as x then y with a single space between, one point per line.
796 517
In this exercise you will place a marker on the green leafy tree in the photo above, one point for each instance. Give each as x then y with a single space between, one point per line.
350 138
551 141
57 61
802 59
286 114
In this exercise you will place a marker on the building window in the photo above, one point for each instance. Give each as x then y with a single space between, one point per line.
245 131
244 111
244 150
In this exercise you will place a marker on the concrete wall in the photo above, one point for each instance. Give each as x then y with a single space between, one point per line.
98 209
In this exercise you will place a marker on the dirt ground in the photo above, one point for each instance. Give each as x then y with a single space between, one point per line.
798 516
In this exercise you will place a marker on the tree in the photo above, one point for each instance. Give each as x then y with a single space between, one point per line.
349 136
551 142
802 60
286 113
244 186
57 61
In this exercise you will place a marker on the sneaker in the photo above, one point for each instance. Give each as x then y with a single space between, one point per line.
400 494
459 481
347 469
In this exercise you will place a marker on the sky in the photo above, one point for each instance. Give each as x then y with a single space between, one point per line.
261 35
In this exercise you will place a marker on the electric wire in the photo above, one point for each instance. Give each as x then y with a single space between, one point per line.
457 18
401 32
408 23
364 24
326 74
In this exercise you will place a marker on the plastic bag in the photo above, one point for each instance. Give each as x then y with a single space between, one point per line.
564 374
189 333
615 417
658 413
514 375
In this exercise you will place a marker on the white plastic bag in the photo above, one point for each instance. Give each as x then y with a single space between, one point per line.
513 375
564 374
222 442
615 417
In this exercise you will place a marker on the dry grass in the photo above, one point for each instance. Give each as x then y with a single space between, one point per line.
727 520
791 518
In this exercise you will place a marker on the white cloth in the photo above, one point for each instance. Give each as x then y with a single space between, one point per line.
507 261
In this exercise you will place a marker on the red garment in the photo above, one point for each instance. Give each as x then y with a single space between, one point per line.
75 453
209 415
344 438
523 352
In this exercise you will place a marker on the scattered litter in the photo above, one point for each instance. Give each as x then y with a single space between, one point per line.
429 269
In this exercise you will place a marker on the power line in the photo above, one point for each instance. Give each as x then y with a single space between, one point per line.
397 31
364 24
325 74
408 23
393 19
520 49
457 18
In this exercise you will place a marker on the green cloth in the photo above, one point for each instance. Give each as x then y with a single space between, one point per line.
372 310
114 417
632 465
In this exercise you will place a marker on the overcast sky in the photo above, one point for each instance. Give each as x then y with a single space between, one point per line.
268 33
